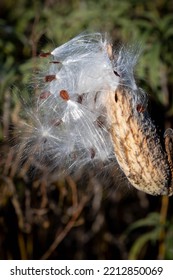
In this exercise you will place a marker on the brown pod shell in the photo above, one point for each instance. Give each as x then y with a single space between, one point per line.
136 144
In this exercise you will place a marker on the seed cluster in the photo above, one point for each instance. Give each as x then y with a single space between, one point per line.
90 109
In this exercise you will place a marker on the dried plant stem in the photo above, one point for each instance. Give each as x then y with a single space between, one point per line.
22 246
73 187
20 218
6 114
66 230
163 216
15 202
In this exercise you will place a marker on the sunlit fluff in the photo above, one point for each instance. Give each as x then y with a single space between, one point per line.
69 127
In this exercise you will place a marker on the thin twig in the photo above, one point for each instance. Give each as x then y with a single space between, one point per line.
66 230
73 187
15 202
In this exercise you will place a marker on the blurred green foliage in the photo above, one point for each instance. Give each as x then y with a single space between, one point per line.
151 236
28 27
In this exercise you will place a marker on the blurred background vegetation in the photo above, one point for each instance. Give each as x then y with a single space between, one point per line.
48 217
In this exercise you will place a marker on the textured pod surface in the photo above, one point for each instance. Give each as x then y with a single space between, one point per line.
137 147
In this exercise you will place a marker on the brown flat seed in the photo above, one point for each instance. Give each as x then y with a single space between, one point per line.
50 78
56 122
44 54
55 62
80 98
100 121
64 95
92 151
45 94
